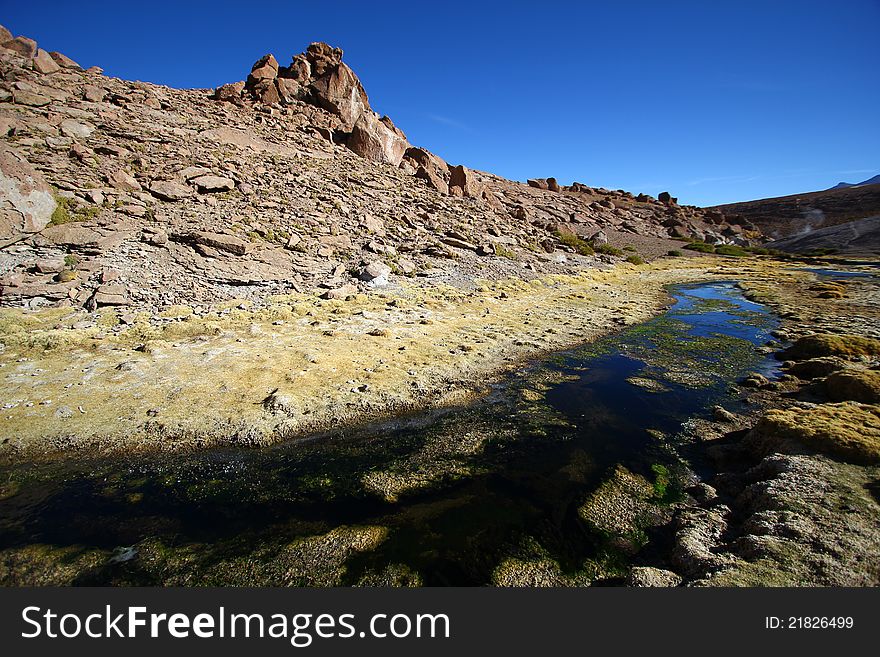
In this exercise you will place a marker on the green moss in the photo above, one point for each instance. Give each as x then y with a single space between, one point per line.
607 249
636 259
701 247
675 253
581 246
814 346
504 252
730 250
848 431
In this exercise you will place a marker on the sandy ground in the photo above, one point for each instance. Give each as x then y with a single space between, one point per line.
252 377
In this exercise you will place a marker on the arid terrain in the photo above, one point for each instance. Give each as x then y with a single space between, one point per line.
243 266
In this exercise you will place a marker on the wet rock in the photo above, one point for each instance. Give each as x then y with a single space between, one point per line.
721 414
754 380
815 368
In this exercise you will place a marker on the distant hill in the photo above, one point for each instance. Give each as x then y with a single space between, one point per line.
861 237
799 214
870 181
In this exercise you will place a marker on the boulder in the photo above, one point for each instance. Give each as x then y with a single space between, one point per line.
64 61
666 198
372 139
265 68
43 63
123 181
463 183
218 241
299 70
552 185
94 94
341 293
538 183
375 270
25 47
290 90
322 57
429 167
26 200
339 91
5 35
207 184
599 237
230 92
168 190
110 295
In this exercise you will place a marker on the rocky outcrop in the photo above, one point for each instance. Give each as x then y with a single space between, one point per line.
26 201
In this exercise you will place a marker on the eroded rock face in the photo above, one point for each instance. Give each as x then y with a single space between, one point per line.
340 92
373 139
26 201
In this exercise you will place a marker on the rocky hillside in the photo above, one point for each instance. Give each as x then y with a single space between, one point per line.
127 194
854 238
798 214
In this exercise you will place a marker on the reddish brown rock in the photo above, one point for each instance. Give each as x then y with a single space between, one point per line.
290 90
43 63
462 182
372 139
64 61
340 92
25 47
322 58
93 94
230 92
26 201
5 35
265 68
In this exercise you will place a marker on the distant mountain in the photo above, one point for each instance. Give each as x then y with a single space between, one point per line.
798 214
870 181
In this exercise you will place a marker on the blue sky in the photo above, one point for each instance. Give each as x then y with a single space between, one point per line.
715 102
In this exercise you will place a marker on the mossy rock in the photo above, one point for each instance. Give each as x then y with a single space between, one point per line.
814 346
848 431
860 386
815 368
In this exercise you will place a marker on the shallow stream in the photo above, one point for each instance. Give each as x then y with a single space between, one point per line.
493 492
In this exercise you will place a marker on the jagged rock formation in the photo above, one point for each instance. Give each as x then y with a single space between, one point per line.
151 197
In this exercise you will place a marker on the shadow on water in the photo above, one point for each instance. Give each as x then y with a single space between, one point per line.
456 494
